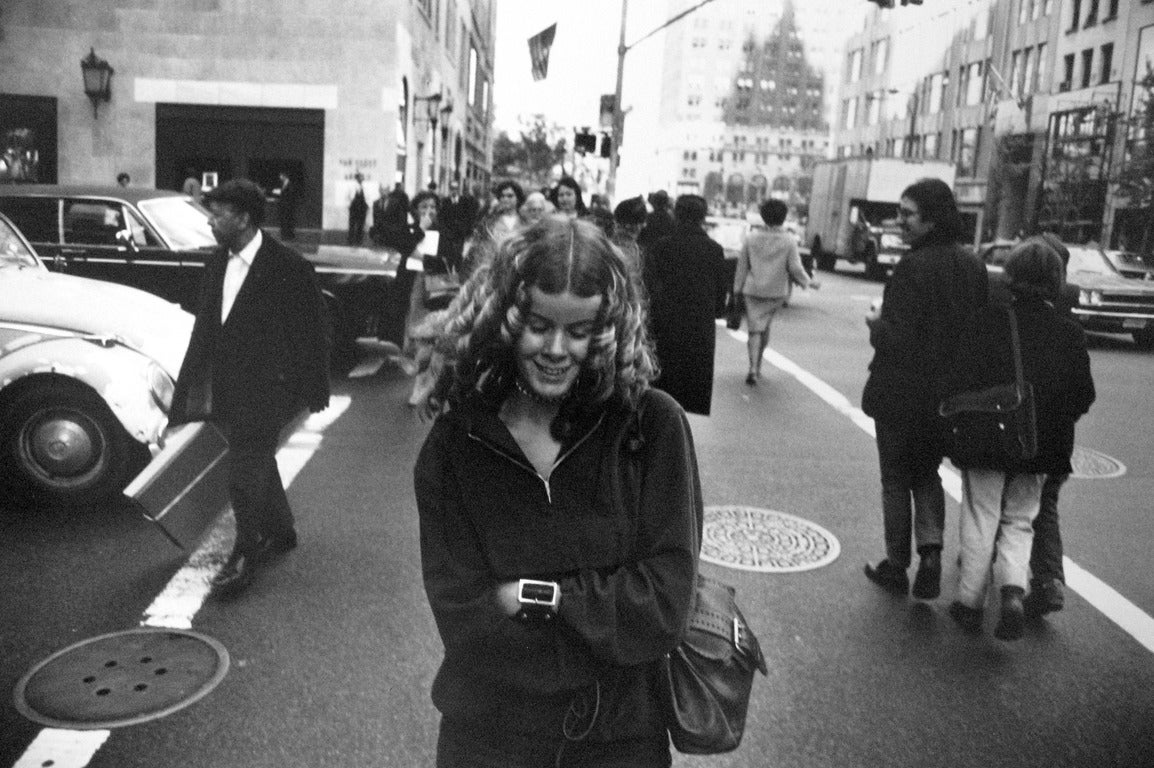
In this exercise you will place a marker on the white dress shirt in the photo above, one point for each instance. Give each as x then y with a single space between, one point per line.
234 274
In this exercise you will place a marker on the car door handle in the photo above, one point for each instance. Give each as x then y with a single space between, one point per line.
73 251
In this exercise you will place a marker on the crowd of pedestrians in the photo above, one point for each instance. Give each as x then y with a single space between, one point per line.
558 348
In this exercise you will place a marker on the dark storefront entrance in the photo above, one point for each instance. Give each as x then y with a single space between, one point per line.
252 142
28 139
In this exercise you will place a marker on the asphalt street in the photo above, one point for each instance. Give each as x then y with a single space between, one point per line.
334 649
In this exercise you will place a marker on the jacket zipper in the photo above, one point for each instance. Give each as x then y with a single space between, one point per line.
529 467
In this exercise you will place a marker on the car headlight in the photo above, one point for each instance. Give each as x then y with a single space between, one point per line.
161 386
1090 298
891 241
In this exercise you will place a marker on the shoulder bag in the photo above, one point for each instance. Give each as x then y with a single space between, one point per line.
995 427
710 674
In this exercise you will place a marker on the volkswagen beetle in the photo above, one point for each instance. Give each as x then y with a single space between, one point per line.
86 377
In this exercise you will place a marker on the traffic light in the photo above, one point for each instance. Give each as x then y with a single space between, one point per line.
606 145
585 142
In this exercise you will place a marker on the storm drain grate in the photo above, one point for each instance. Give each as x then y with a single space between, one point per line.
752 539
1090 464
122 678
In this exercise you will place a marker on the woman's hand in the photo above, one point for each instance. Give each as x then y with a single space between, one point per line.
506 594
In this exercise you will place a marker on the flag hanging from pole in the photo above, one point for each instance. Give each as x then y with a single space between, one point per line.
539 45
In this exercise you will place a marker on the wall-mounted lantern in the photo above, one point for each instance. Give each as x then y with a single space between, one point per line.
97 79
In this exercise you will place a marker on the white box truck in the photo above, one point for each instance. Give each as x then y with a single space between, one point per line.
853 209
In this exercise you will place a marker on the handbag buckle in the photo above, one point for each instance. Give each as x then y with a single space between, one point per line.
737 633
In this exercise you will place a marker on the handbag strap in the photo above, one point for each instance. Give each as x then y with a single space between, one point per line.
1016 346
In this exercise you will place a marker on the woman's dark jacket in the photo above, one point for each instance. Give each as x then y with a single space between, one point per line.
686 281
932 292
1054 362
617 524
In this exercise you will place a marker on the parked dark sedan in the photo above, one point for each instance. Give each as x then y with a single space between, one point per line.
158 241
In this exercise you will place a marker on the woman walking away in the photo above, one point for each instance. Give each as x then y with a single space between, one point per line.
768 264
560 513
933 290
1001 499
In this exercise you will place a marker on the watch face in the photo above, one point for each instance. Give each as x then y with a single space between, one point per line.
537 592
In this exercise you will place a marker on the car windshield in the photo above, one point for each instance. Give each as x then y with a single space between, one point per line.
1088 261
181 222
13 251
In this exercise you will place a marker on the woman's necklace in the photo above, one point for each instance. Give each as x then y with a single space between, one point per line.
536 396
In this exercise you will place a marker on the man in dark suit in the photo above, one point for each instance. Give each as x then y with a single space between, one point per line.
456 220
659 223
258 356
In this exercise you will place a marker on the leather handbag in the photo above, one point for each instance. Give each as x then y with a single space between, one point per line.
710 674
995 427
734 311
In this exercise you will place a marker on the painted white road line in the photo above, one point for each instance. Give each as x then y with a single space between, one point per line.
184 595
1132 619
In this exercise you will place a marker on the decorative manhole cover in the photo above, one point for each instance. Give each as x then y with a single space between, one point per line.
1090 464
753 539
121 678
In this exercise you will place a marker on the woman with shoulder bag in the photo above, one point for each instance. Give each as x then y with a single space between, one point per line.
560 513
1000 497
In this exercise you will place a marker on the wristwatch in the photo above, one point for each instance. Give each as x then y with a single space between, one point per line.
538 599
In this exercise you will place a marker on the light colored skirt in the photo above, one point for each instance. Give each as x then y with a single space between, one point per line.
759 311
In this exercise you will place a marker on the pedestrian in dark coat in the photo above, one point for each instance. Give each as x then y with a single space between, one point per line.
358 211
458 216
287 196
658 223
258 356
932 292
1001 499
684 275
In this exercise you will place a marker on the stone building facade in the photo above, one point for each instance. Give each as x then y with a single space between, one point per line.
398 90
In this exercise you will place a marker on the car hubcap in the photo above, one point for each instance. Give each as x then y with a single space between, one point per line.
63 444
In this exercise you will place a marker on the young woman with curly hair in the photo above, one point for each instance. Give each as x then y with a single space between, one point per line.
560 512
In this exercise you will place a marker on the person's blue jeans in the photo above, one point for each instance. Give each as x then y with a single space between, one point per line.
1046 554
913 502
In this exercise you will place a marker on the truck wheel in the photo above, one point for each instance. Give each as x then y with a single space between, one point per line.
62 446
1144 338
874 270
825 261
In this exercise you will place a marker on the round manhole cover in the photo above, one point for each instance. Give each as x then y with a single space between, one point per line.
1090 464
121 678
753 539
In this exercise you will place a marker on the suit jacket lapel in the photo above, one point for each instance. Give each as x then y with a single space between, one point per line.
251 285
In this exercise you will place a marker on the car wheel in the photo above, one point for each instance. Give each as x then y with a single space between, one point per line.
1144 338
63 446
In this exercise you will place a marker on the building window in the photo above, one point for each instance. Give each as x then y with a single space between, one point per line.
1068 79
974 83
1092 14
1015 73
855 66
1024 11
1087 67
1040 78
1075 14
1107 61
931 145
1029 73
969 140
1111 11
938 84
